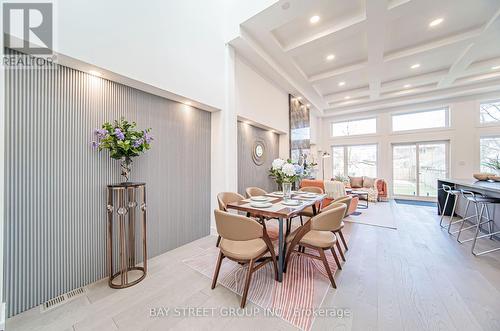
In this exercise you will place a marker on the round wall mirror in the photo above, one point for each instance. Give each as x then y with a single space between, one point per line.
259 152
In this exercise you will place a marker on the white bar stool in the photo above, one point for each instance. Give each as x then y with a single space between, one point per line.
449 192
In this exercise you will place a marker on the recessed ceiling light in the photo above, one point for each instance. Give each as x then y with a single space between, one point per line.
308 105
94 73
299 98
495 67
415 66
330 57
436 22
341 83
314 19
407 86
347 97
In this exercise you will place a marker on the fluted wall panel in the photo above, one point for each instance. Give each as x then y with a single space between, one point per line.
55 200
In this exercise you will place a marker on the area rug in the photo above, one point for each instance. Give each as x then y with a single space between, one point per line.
377 214
303 289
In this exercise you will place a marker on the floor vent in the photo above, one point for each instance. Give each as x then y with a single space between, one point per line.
62 299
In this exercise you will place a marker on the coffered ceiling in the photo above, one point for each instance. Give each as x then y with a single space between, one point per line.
354 55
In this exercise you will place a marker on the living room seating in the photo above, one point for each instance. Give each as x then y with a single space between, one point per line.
316 234
327 201
245 241
376 187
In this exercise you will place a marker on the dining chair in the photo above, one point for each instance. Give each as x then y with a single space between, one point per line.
244 240
317 235
223 199
347 201
308 211
255 192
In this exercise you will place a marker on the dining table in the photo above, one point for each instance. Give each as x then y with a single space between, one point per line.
282 210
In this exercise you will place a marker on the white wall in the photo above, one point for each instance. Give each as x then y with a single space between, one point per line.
261 101
464 134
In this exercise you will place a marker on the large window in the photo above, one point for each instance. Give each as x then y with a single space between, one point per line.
355 160
428 119
354 127
489 112
490 153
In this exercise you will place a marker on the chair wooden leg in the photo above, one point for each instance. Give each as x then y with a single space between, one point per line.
343 240
247 284
327 267
340 251
217 268
301 220
218 241
336 258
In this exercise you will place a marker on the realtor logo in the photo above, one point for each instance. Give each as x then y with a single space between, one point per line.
28 27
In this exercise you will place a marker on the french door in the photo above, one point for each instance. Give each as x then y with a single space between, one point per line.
417 166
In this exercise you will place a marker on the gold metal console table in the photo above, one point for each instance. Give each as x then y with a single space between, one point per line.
122 205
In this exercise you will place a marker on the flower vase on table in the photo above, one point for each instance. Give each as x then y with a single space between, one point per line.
286 173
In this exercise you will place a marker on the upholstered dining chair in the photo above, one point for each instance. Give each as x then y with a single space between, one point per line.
223 199
347 201
244 240
338 232
317 234
308 211
254 191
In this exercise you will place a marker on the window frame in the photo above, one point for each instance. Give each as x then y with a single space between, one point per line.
346 166
478 117
430 129
481 137
355 120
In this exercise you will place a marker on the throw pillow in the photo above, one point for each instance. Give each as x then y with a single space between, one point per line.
368 182
356 182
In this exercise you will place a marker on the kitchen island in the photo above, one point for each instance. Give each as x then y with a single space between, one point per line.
484 187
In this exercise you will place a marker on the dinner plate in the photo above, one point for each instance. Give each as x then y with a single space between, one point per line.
260 198
291 203
278 193
261 204
310 195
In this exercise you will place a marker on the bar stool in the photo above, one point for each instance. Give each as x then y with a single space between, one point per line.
481 203
455 193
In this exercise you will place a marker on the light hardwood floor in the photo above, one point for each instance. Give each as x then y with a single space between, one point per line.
414 278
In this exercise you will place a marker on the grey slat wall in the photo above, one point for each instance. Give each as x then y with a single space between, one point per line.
55 183
250 174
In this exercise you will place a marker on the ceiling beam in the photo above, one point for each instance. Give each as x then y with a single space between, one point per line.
468 55
376 13
338 71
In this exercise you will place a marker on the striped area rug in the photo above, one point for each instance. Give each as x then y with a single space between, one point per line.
303 289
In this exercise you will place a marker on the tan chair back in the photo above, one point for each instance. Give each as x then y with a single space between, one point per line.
347 201
224 198
312 189
330 218
255 191
237 227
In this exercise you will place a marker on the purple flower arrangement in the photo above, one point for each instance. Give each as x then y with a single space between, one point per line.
123 141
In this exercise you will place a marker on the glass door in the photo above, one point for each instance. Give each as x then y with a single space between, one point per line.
417 166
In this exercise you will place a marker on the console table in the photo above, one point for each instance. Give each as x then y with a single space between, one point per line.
123 200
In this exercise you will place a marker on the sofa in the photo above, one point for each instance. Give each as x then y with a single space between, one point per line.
319 183
376 187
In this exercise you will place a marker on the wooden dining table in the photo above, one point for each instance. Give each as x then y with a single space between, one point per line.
281 212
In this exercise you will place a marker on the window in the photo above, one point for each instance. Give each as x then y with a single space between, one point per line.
355 160
354 127
489 112
428 119
490 153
